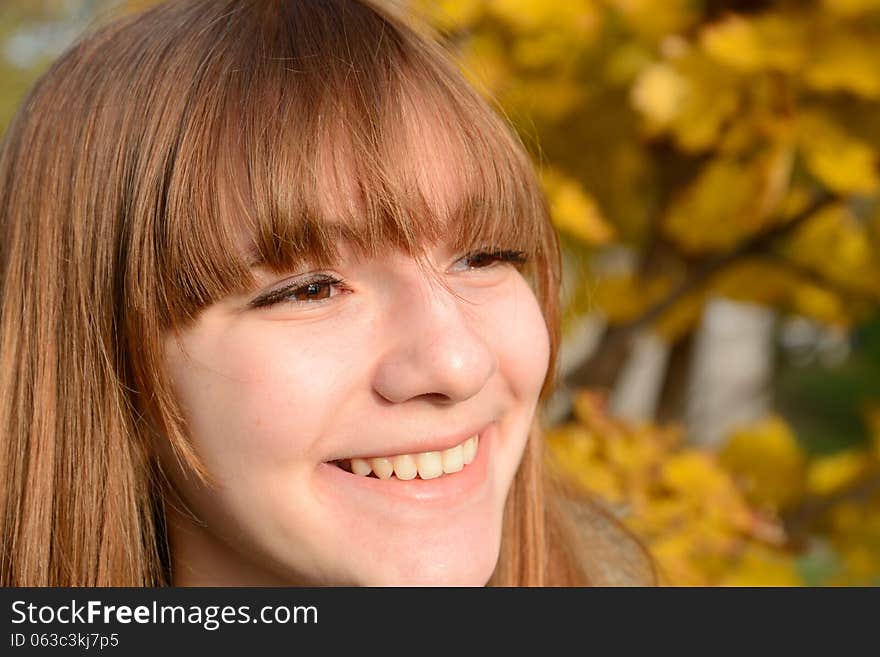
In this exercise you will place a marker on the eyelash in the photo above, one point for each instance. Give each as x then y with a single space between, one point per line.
517 258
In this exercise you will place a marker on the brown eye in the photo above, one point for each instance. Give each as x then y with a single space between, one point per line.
318 288
312 292
488 258
481 259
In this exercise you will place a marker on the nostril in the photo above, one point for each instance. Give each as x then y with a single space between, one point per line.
438 398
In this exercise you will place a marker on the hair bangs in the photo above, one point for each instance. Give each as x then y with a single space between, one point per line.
311 140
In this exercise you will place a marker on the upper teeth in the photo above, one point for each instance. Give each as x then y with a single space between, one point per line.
428 465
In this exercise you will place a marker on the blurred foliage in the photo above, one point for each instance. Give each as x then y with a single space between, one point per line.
762 512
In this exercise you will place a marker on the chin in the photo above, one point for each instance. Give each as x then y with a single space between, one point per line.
467 563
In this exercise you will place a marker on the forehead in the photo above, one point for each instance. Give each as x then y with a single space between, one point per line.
276 180
419 189
421 157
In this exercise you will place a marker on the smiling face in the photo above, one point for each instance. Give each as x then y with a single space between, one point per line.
351 346
388 363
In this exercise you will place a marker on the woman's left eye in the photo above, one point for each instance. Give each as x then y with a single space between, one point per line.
486 258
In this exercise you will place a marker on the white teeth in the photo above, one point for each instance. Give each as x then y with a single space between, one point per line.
469 449
405 466
361 467
383 467
453 460
430 465
427 465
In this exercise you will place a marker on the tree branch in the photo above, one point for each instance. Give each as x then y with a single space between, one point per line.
705 271
757 243
813 276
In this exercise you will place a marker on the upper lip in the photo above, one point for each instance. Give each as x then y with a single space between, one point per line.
409 446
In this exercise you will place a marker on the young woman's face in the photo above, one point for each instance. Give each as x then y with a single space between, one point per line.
372 366
386 364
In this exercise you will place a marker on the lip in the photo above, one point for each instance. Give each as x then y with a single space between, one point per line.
445 489
431 445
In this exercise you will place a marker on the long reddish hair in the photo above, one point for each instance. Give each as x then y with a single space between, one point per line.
126 181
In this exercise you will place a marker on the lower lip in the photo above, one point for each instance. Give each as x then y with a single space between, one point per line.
445 489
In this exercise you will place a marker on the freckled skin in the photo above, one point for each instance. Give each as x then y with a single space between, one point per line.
270 394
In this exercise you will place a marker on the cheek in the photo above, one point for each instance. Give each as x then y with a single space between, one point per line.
521 341
259 396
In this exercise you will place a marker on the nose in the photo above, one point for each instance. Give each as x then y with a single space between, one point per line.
433 346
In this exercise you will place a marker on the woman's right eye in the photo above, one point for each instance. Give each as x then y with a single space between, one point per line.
315 289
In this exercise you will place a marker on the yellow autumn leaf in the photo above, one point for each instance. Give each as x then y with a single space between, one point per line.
574 210
718 209
757 281
768 461
689 97
713 100
658 93
821 231
749 45
819 303
845 60
734 42
692 473
829 474
837 244
845 164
